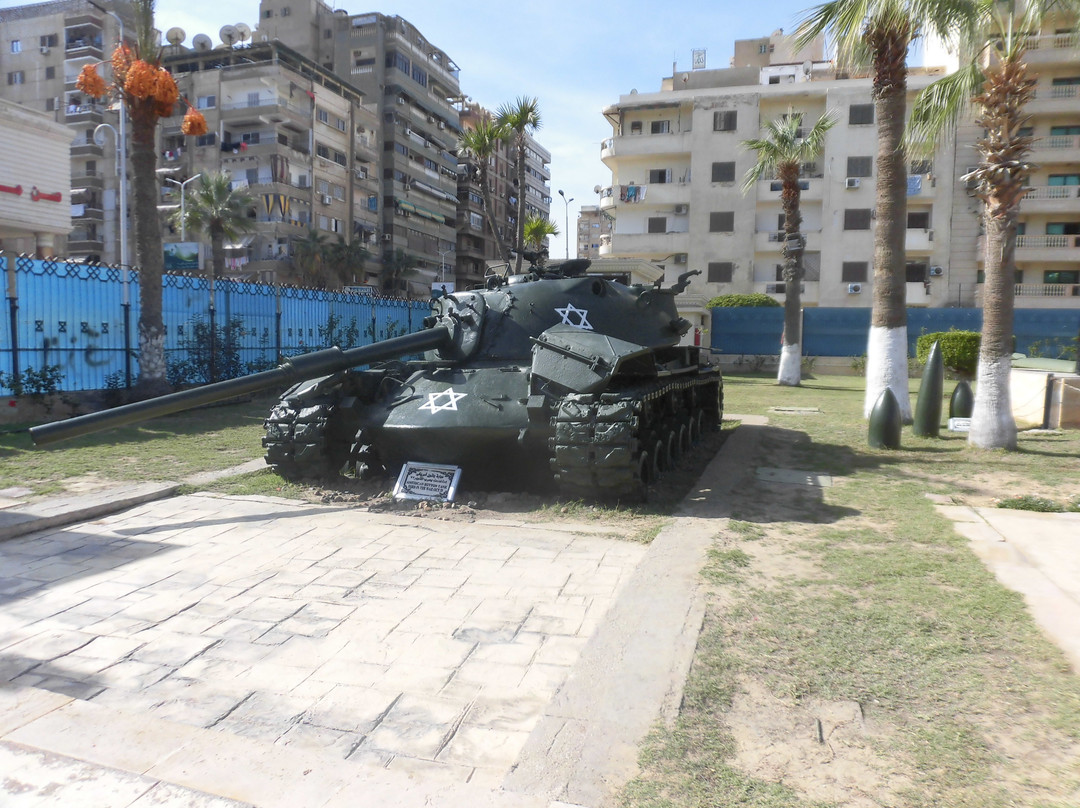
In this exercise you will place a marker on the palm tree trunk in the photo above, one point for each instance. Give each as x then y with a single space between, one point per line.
790 370
152 376
520 203
992 424
887 349
489 210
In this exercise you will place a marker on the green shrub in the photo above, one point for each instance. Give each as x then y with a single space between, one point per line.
1030 502
737 301
959 350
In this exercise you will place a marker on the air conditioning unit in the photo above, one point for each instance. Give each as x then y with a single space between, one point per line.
387 236
408 132
401 100
851 182
854 288
936 272
930 234
682 210
431 119
442 124
680 258
327 199
45 49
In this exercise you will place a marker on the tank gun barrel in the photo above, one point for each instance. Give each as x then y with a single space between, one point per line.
294 369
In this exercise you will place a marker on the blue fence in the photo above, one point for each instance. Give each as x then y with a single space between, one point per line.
843 331
74 316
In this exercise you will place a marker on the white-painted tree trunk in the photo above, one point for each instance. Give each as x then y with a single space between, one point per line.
790 371
887 366
992 424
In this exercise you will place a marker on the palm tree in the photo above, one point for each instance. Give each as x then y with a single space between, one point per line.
347 258
537 230
217 210
995 82
309 258
481 143
781 154
879 33
398 268
520 120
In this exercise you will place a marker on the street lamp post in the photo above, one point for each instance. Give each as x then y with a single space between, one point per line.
120 138
183 217
566 221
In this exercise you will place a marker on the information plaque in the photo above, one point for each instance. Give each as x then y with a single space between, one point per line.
428 481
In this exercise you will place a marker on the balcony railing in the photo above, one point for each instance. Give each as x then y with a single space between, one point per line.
1051 41
1059 142
1047 290
1056 91
1053 192
1055 241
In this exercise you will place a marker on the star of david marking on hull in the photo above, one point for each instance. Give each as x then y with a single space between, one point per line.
569 311
450 403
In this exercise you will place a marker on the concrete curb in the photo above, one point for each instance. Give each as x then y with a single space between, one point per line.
20 520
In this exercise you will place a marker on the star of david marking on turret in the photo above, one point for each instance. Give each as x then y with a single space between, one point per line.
450 403
583 317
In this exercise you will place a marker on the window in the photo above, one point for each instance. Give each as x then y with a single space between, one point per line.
854 271
322 115
722 221
724 121
285 12
660 175
1024 131
922 167
328 33
50 104
857 219
658 224
860 114
16 46
1061 276
206 140
660 127
419 76
1065 81
763 48
49 41
399 61
340 158
50 72
918 220
860 166
1064 179
205 102
1056 131
723 172
16 77
916 271
635 127
322 151
721 271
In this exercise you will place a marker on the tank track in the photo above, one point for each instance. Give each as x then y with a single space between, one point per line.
617 443
298 440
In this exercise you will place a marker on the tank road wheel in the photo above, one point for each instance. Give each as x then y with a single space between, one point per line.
298 442
697 426
682 430
364 459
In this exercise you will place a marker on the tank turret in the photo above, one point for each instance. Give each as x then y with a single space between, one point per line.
549 376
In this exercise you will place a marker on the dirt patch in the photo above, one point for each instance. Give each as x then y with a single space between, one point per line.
636 519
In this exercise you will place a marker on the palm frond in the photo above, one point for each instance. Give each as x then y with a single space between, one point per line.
938 107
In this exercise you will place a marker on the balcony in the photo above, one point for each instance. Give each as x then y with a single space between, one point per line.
1056 149
1039 295
655 245
1050 49
919 240
84 113
1039 249
85 147
670 144
1061 98
1052 199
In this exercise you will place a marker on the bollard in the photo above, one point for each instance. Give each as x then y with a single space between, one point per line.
962 401
885 422
927 422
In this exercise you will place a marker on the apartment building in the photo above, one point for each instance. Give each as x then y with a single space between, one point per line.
593 225
42 49
678 165
300 141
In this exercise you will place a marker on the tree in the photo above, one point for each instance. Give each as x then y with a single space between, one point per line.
480 144
537 230
347 258
309 258
398 269
213 207
879 33
519 121
149 93
781 154
994 80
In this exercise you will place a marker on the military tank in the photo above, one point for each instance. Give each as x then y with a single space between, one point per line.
551 376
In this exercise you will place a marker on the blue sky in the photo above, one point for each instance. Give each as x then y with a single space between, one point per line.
575 57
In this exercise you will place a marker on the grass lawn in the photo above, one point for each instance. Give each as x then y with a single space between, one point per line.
855 651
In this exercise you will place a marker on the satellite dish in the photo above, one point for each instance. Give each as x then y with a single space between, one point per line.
175 36
596 189
807 66
243 31
202 42
229 35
